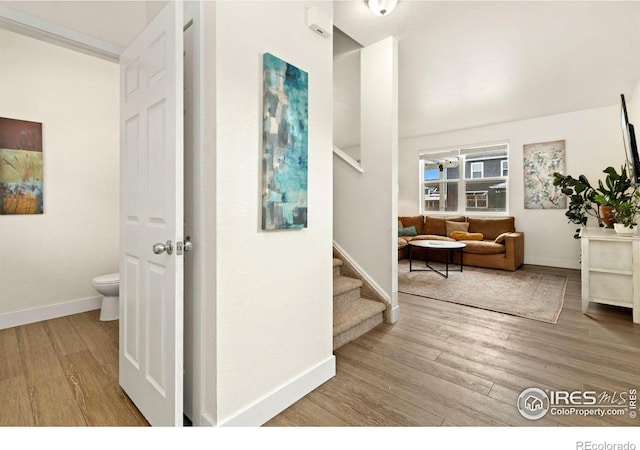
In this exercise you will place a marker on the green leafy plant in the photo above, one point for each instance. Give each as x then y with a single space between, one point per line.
616 188
585 199
626 212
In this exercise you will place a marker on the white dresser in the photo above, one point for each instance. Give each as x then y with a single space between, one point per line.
610 269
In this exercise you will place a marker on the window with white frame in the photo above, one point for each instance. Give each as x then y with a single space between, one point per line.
465 180
477 169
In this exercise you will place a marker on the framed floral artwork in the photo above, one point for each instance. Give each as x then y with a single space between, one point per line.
541 160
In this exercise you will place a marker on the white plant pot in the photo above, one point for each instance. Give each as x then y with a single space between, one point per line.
624 231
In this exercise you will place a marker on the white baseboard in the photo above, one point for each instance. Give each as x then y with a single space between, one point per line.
280 399
394 315
206 421
17 318
554 262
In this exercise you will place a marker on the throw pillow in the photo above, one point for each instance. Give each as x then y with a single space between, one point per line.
464 236
400 224
409 231
456 226
502 237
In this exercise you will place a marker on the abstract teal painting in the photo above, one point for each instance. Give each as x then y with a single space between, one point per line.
285 140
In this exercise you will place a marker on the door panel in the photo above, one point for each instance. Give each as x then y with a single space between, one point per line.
151 285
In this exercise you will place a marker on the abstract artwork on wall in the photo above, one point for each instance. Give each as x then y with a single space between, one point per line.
540 162
20 167
284 145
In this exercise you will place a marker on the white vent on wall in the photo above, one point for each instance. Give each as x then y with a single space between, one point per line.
319 22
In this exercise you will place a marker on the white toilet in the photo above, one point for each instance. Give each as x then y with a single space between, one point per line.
109 286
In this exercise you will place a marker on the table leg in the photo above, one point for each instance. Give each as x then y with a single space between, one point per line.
433 269
446 262
410 259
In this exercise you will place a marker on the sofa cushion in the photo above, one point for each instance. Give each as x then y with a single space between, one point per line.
491 227
416 221
408 231
465 236
483 247
431 237
456 226
438 224
402 243
501 238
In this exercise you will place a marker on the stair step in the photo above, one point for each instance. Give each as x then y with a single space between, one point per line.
345 289
354 318
342 285
337 264
353 312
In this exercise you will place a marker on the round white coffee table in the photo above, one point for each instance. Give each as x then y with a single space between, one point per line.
447 246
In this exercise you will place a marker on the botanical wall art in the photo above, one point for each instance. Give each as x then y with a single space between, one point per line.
284 145
20 167
540 162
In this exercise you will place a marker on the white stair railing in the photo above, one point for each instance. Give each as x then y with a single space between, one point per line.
348 159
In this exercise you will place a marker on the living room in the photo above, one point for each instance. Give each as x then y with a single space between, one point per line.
496 64
508 94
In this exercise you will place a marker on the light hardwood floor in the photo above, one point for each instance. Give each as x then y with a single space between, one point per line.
441 365
63 372
444 364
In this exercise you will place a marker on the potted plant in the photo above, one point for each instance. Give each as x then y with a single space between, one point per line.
586 200
625 214
615 191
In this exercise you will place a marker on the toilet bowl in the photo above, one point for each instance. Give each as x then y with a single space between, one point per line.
109 286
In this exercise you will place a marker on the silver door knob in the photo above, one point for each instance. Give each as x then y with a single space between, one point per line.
161 248
188 244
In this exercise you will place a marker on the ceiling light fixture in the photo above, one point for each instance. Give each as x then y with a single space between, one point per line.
381 7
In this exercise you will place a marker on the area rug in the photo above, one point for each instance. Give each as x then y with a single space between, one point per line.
521 293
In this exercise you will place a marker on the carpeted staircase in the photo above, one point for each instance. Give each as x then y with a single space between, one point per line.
352 315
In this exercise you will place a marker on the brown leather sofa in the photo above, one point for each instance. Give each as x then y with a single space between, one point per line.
507 253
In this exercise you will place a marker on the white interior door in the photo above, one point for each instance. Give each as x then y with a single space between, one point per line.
151 285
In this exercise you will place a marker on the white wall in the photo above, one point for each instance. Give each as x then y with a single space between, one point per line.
51 258
273 289
633 108
365 203
208 342
593 142
346 102
353 152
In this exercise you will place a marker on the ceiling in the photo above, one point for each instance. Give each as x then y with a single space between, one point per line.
461 64
113 21
466 64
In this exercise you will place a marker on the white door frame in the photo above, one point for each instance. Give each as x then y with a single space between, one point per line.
194 321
